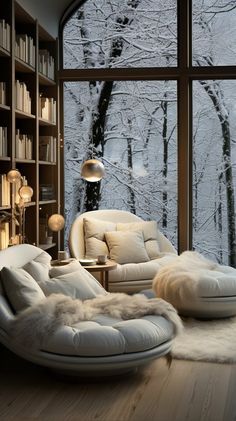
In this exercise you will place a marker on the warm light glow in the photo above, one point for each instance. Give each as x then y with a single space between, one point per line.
13 176
26 192
92 170
56 222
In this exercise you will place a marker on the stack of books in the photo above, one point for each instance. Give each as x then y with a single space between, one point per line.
4 235
3 141
4 191
24 146
22 95
25 49
48 149
5 35
47 109
46 64
46 192
3 96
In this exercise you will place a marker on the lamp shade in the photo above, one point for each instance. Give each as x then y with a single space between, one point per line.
56 222
92 170
13 176
26 192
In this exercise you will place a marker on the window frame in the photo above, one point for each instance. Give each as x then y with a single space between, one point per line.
183 74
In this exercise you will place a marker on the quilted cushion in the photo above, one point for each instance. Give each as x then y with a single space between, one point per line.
105 336
150 234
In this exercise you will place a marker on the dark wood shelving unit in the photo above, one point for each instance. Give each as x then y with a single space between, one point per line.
36 171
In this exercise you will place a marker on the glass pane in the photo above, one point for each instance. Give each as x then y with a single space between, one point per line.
214 169
214 32
121 33
131 127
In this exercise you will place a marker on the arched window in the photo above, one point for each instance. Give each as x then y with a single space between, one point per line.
149 89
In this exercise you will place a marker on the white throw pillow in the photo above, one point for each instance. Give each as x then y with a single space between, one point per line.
150 235
21 289
39 267
78 284
127 246
94 234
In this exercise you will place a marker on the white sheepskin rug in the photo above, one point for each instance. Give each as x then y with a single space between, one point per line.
213 340
33 325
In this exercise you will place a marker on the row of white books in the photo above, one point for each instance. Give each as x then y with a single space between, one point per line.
4 190
47 109
3 95
22 97
4 235
25 49
46 64
48 149
24 145
3 141
5 35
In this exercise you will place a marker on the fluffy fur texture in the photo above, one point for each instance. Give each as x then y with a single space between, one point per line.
34 324
213 340
179 279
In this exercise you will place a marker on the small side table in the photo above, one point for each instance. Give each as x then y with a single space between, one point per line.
104 271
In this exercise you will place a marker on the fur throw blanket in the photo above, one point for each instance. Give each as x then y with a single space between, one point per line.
36 323
183 277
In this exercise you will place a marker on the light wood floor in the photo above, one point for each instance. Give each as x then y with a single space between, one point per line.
187 390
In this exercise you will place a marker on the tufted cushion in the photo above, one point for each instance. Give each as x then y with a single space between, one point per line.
21 289
197 287
150 235
106 335
126 246
94 234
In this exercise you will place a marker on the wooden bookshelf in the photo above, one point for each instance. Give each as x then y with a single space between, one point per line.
13 68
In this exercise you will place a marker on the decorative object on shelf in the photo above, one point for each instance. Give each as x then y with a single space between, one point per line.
56 222
25 193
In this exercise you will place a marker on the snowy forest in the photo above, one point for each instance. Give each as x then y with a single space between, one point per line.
131 126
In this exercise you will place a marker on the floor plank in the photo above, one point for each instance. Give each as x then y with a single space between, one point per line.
187 391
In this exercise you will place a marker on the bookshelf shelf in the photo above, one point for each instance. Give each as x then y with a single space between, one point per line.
29 204
5 158
5 107
43 122
47 202
4 52
44 80
47 163
25 161
4 208
23 67
22 114
28 70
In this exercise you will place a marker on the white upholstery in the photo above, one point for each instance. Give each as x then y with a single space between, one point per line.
197 287
127 277
104 345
